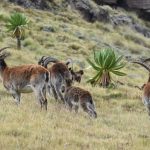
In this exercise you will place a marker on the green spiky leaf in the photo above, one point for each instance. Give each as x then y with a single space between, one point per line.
106 60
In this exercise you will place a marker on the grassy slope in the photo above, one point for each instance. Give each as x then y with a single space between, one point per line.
122 121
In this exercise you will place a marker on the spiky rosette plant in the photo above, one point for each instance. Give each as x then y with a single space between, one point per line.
17 24
105 62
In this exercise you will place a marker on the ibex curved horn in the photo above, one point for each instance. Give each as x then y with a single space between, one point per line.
45 60
142 64
40 62
4 55
69 61
50 59
145 60
3 48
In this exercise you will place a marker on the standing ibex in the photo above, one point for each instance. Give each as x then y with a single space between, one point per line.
25 78
76 75
76 97
59 72
146 87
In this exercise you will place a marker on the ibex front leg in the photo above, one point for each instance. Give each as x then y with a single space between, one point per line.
44 99
16 95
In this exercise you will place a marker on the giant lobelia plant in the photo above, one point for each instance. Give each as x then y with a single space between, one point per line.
105 62
17 24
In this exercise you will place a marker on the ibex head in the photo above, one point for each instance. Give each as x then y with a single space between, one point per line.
69 61
3 55
143 63
76 75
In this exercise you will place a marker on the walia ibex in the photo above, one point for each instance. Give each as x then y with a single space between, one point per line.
25 78
76 97
59 72
76 75
145 87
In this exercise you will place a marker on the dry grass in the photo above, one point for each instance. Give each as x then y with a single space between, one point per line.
122 122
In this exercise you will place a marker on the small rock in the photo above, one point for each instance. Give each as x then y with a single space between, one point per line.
121 20
143 30
48 29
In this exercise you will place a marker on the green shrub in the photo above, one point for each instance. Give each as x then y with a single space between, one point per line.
105 62
16 24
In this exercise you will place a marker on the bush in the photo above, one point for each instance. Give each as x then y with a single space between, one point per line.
105 62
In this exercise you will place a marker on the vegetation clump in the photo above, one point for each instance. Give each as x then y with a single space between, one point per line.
17 24
105 62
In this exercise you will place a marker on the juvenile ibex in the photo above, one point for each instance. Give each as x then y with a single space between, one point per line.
145 87
59 72
76 97
76 76
25 78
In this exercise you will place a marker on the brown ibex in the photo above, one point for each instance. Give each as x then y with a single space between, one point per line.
25 78
59 72
76 75
76 97
145 87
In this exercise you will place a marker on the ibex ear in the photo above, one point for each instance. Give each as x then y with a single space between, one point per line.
67 63
63 89
40 62
81 72
70 69
143 86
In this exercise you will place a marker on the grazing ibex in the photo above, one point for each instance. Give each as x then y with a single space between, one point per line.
76 97
25 78
145 87
59 72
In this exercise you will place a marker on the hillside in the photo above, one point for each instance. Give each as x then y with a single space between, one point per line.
64 32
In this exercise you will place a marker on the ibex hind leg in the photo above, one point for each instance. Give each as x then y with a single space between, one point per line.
49 90
148 109
75 102
87 107
76 108
54 93
44 103
58 91
38 95
91 109
44 99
